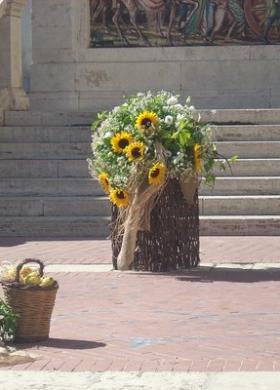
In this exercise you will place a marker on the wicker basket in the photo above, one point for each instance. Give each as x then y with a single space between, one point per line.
173 242
33 304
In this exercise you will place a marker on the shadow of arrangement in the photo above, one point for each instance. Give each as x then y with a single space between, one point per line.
233 275
63 344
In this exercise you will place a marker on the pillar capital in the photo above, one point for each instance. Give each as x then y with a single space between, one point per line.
11 7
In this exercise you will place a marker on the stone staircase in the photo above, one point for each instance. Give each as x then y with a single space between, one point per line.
46 191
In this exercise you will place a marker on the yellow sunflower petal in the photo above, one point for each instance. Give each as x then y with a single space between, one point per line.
104 182
121 141
135 151
119 197
197 158
157 174
146 121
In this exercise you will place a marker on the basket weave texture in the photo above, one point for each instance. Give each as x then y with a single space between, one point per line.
173 241
33 305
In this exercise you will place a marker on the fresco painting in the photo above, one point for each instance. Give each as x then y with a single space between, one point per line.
136 23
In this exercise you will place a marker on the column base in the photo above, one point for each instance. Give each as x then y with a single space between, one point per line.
13 99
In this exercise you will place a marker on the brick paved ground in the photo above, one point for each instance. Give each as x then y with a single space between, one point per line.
199 321
213 249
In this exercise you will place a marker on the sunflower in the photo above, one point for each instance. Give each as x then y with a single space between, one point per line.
135 151
104 182
119 197
157 173
197 158
146 121
120 141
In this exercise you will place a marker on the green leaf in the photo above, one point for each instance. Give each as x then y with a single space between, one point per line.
210 179
101 116
184 138
233 159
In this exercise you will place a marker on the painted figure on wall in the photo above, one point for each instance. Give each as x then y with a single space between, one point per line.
116 23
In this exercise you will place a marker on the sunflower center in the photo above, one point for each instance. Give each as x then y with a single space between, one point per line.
155 172
123 143
146 122
136 153
120 195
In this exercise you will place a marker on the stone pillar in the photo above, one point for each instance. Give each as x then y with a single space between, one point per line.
60 39
12 95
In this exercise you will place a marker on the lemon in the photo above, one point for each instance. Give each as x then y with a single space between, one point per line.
47 282
24 272
32 279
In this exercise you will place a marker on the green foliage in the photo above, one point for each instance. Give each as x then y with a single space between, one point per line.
8 323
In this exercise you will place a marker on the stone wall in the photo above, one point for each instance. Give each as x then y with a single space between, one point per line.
69 75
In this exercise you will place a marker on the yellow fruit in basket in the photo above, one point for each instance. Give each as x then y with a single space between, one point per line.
32 279
24 272
47 282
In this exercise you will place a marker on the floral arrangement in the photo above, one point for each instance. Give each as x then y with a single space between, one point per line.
142 143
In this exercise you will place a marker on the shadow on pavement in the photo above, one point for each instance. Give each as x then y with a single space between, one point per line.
219 275
231 275
63 344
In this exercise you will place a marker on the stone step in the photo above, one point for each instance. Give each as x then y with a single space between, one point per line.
249 149
97 227
247 185
79 134
100 206
234 116
64 134
79 168
249 225
240 205
37 118
246 133
53 134
50 187
54 206
250 167
44 151
43 168
94 227
244 149
245 116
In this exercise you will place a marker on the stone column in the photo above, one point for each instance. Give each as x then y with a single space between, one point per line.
12 95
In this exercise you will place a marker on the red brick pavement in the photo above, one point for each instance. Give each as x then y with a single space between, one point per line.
199 321
213 249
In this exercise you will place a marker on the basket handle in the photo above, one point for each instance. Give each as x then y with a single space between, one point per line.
26 261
